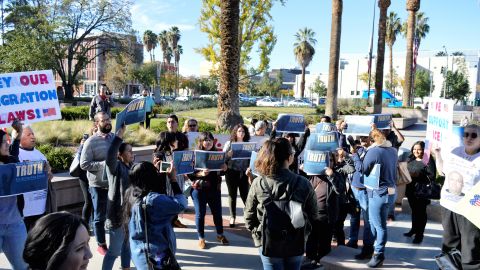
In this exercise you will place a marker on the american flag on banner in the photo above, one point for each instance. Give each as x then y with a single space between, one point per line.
49 112
476 200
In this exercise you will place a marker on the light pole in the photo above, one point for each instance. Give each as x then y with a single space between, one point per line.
370 54
342 67
445 71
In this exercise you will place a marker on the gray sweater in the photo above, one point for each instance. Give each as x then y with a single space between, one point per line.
92 160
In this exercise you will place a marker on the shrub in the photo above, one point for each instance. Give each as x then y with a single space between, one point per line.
396 115
59 158
81 112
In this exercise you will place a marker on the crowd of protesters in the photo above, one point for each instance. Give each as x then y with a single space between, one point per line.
139 204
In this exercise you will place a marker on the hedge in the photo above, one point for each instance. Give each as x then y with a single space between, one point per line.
81 112
59 158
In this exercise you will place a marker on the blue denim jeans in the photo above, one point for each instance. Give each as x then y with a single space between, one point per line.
99 200
362 199
119 246
378 203
12 242
273 263
214 201
391 205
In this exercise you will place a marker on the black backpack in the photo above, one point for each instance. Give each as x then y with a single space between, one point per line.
279 237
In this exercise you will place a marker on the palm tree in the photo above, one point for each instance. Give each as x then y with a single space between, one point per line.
168 55
412 7
304 51
147 40
394 27
228 111
173 38
163 41
154 41
335 34
178 51
382 32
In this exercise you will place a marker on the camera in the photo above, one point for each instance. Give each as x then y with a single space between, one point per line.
85 136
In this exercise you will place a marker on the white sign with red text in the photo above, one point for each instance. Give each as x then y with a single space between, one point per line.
29 96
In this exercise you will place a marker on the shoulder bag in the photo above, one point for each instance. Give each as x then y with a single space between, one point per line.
428 190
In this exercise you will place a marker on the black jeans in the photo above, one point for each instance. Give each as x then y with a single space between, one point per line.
236 180
419 214
147 120
319 241
461 234
339 224
87 198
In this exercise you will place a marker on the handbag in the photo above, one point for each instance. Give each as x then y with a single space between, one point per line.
451 260
403 176
167 259
75 169
428 190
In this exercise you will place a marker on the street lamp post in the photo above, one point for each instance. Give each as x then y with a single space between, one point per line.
445 71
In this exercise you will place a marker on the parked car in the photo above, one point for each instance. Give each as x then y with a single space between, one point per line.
134 96
269 102
182 98
299 103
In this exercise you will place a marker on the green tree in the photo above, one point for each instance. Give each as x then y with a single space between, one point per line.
150 41
392 82
394 27
364 78
422 84
457 86
458 53
254 31
441 53
335 34
318 87
265 85
146 74
304 51
382 32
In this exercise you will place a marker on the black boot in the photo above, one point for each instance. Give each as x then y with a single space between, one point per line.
409 233
376 261
367 252
418 239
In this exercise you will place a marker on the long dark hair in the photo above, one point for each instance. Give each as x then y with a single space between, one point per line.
3 159
164 141
202 137
233 134
48 242
144 178
412 156
272 155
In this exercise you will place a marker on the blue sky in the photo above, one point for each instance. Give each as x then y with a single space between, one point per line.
453 24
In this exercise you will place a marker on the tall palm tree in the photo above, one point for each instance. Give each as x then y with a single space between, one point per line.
173 38
178 51
163 42
335 34
412 7
168 55
394 27
154 41
147 40
382 32
228 111
304 51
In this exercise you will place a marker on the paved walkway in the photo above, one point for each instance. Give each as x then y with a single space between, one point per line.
241 254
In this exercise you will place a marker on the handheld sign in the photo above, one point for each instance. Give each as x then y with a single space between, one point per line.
372 181
325 127
322 142
360 125
29 96
253 158
290 123
164 166
243 150
315 162
183 161
211 160
19 178
382 121
134 112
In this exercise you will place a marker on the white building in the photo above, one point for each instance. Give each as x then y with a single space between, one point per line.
353 65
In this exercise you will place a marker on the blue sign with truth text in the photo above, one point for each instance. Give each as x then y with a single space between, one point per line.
18 178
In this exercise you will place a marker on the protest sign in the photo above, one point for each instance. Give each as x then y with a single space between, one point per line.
469 205
243 150
439 125
219 140
322 142
359 125
325 127
183 161
290 123
372 181
211 160
134 112
315 162
19 178
462 173
165 166
29 96
382 121
253 158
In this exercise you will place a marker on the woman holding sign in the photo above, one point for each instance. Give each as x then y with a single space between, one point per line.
12 229
460 197
206 190
236 177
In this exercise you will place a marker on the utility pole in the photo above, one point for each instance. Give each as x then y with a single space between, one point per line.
370 54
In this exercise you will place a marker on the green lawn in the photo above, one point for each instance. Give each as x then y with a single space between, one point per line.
210 114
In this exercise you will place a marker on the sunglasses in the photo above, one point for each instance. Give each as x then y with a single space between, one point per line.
192 125
472 135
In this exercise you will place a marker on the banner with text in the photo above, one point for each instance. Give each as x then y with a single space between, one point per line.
211 160
323 141
253 158
290 123
315 162
183 161
439 125
29 96
134 112
325 127
243 150
19 178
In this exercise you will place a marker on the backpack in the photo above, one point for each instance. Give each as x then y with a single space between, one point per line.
279 237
